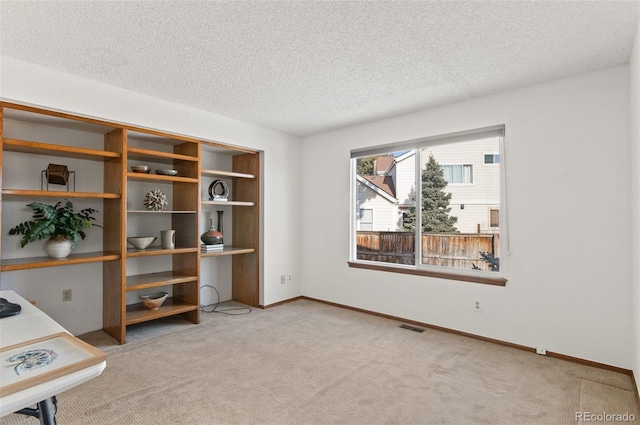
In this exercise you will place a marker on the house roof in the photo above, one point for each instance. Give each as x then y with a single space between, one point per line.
382 164
385 183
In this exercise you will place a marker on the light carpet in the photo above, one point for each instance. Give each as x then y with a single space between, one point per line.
309 363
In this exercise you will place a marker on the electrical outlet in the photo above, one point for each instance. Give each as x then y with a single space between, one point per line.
541 350
477 306
283 279
289 278
66 295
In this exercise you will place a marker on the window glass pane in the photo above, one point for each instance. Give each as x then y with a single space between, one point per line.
459 205
467 174
494 220
491 158
385 206
458 174
458 228
366 215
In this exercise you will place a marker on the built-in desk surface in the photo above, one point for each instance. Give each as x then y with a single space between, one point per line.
31 324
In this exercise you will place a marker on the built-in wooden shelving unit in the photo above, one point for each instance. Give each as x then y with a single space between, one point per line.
126 273
241 177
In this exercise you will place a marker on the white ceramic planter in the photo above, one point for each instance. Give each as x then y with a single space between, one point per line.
58 247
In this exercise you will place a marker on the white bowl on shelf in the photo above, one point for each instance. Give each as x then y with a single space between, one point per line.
154 301
141 242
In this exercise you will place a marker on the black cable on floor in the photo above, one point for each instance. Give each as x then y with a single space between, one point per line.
241 310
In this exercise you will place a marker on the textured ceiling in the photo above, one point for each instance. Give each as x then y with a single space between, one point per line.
304 67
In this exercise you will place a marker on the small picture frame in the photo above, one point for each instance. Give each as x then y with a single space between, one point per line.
43 359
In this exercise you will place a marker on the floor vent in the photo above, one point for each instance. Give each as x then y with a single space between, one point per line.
412 328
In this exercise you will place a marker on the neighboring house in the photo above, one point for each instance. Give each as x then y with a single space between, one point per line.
376 203
471 169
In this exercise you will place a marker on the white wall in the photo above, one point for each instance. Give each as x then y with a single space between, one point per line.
568 178
634 72
35 85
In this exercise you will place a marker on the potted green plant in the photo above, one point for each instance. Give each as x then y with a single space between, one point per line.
59 223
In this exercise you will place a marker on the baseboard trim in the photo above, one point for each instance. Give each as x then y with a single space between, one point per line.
635 387
474 336
290 300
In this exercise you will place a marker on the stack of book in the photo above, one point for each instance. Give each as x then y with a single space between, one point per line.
210 248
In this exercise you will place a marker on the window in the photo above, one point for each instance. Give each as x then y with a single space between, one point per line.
366 219
438 194
494 218
491 158
458 173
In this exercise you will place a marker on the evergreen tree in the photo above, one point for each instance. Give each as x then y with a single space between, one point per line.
490 259
435 201
364 166
409 220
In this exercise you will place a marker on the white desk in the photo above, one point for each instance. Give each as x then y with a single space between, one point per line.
32 323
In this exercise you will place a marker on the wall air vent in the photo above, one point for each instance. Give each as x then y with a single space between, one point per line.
412 328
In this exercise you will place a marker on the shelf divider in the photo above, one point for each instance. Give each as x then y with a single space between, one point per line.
236 203
138 313
59 194
11 264
25 146
156 250
142 154
152 280
230 174
227 250
159 177
160 212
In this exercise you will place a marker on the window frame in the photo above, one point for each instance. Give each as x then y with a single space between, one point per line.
419 269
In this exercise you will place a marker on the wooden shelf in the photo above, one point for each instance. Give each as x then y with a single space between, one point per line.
231 174
160 212
59 194
227 250
138 313
155 250
39 262
24 146
157 156
158 177
152 280
224 148
236 203
30 114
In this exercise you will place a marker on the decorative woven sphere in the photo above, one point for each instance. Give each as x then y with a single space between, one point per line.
156 201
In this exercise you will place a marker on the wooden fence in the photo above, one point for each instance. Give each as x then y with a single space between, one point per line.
459 250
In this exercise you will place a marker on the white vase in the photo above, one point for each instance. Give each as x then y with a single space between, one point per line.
58 247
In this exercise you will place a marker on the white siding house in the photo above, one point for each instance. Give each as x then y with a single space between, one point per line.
472 170
474 185
377 209
405 179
